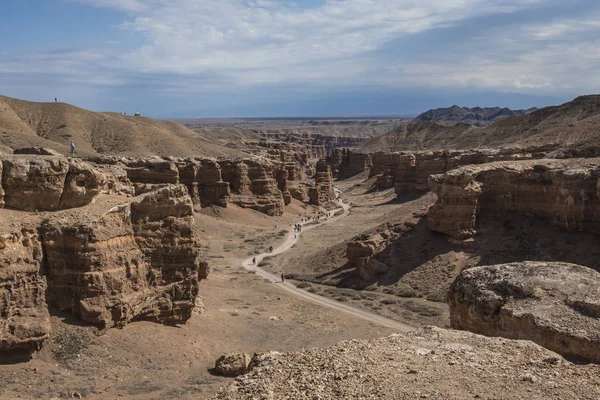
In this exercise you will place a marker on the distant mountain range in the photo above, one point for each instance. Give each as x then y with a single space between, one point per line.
477 116
571 126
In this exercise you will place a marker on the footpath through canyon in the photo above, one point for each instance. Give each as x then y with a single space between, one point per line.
253 264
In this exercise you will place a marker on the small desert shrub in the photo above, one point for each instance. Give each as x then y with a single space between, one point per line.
304 285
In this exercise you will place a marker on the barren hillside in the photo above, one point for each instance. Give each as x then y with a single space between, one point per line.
571 125
54 125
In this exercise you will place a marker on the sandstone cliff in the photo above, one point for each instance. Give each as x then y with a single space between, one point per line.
24 318
565 192
119 260
554 304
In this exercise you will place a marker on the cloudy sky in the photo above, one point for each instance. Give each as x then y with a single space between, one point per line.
218 58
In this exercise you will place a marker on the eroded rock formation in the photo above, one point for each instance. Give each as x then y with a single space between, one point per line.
138 260
565 192
322 193
24 318
48 183
119 260
555 305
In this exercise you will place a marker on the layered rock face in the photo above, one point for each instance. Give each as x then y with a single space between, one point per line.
48 183
136 261
265 195
555 305
351 163
362 250
24 318
385 166
565 192
322 193
151 171
212 188
120 260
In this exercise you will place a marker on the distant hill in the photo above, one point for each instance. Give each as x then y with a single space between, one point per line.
477 116
54 125
573 125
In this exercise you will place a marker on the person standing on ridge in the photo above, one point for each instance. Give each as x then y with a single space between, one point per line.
72 148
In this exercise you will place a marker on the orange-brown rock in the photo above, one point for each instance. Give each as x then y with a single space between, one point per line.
555 305
153 170
138 260
415 168
24 318
565 192
322 193
34 183
264 194
212 188
355 163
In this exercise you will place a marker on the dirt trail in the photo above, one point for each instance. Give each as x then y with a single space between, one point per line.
323 301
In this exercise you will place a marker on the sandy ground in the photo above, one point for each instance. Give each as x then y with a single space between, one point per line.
244 312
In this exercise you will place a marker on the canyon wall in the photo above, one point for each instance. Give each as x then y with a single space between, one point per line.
564 192
92 248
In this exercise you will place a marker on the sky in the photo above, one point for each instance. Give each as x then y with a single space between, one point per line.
252 58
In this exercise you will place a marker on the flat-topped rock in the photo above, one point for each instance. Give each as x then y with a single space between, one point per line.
564 192
556 305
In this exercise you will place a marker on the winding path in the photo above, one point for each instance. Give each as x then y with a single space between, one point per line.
314 298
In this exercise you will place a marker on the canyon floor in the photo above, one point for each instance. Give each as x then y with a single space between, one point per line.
243 313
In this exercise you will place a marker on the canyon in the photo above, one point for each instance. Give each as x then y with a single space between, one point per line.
150 264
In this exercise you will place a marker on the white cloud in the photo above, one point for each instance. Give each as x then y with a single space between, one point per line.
213 44
256 40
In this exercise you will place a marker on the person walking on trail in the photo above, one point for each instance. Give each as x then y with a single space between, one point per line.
270 249
275 224
253 260
72 148
282 278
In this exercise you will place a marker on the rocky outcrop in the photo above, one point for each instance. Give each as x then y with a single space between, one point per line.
236 173
385 166
555 305
322 193
363 250
431 363
24 318
413 169
151 170
82 184
232 365
212 188
34 183
138 260
564 192
49 183
265 196
39 151
355 163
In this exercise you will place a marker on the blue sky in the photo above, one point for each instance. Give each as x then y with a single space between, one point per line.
209 58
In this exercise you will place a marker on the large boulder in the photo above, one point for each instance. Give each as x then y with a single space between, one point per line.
556 305
232 365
